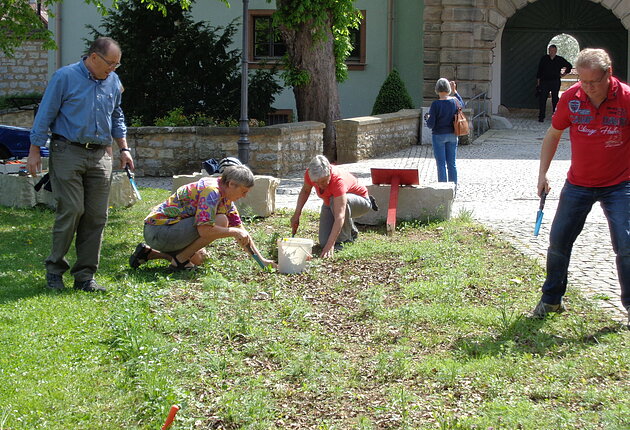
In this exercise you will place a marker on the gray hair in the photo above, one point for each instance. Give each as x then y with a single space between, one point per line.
318 168
591 58
240 175
102 45
442 86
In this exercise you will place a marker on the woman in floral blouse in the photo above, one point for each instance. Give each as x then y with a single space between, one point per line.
194 216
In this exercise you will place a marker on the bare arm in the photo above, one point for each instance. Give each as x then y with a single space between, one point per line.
339 213
125 156
547 152
305 192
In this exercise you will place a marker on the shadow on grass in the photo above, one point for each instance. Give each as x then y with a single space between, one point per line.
526 335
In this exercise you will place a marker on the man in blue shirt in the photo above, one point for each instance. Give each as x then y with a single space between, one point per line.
81 107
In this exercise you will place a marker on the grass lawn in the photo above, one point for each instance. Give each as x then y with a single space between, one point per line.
425 329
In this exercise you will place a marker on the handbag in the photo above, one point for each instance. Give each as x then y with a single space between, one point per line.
460 123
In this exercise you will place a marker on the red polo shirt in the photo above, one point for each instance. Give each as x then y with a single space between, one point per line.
341 182
600 137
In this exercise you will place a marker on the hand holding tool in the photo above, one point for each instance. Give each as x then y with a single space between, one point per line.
132 181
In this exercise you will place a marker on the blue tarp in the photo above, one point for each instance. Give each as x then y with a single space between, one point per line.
17 141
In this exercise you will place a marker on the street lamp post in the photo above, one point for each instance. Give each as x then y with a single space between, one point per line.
243 141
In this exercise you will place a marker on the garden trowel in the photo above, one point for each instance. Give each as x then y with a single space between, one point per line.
132 181
539 215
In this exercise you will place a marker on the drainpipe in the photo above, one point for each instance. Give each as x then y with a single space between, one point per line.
58 35
390 36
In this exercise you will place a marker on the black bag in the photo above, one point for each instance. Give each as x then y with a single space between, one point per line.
211 166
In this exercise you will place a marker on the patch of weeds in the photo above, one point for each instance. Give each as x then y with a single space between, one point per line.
247 406
370 301
393 365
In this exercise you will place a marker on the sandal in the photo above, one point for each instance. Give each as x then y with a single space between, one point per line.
182 266
140 255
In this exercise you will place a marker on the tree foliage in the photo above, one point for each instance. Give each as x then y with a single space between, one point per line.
393 96
19 21
170 61
316 33
320 17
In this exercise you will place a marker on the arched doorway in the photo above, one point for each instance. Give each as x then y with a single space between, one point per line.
527 33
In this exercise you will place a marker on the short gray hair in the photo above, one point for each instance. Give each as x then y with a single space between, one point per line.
318 168
102 44
442 86
591 58
240 175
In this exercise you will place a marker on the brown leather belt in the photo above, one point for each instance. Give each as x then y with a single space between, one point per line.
87 145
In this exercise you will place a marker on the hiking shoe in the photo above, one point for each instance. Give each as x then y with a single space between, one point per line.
90 286
542 309
374 205
54 281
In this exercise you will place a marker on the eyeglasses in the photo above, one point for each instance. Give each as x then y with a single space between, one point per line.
592 83
111 64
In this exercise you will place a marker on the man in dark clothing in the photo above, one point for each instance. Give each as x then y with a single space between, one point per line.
548 79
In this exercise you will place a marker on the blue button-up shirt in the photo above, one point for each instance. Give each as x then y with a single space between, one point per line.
80 108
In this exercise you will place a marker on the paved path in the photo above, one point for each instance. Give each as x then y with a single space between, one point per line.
497 185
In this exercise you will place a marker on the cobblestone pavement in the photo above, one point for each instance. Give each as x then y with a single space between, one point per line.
497 185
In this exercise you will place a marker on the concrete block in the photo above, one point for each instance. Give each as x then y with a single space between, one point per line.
426 131
500 123
260 201
431 202
19 191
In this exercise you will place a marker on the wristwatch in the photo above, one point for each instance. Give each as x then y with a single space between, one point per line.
124 149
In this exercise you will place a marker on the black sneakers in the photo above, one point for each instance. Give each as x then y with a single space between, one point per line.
90 286
54 281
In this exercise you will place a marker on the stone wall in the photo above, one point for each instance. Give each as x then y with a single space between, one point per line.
17 118
275 150
26 72
369 136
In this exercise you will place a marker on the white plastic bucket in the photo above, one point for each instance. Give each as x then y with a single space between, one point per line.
293 253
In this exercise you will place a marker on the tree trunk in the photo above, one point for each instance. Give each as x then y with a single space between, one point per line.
318 99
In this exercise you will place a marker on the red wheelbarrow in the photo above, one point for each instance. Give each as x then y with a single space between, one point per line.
394 178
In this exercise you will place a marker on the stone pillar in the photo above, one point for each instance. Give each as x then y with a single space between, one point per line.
459 36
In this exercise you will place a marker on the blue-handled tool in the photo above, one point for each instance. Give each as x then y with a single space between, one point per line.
132 181
539 215
256 257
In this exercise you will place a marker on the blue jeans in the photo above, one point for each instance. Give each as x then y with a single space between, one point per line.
574 205
445 152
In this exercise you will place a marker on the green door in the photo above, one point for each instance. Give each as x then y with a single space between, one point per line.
529 30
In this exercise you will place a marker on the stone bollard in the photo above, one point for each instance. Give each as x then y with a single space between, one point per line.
260 201
431 202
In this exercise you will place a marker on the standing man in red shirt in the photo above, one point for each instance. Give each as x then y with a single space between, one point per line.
344 198
596 110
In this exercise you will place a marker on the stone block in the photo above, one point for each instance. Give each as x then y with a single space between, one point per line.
260 201
19 191
431 202
426 131
500 123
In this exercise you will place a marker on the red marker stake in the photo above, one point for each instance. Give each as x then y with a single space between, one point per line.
171 417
